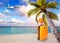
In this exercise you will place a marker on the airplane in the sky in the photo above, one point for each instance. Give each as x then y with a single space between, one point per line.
12 7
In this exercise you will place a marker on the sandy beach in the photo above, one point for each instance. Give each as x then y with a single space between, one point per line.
25 38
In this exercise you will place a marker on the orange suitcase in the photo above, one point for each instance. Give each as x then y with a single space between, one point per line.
43 32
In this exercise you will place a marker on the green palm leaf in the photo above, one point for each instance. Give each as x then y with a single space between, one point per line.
41 2
34 4
37 16
52 5
45 20
53 16
32 11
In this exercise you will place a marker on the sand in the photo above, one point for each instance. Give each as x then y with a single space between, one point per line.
25 38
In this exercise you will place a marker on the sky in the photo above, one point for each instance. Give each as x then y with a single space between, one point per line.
14 12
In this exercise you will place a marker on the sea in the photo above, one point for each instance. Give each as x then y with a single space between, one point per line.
21 29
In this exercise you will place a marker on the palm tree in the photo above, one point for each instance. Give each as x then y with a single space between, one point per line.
42 6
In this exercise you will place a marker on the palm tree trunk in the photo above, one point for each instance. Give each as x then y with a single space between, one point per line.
53 28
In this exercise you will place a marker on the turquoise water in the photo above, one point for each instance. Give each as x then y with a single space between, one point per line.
19 30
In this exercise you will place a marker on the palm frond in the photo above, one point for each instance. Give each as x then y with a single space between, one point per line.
52 5
45 20
33 11
53 16
37 16
34 4
41 2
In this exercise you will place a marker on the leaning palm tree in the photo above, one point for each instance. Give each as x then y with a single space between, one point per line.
42 6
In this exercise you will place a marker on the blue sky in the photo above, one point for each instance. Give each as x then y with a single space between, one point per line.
7 14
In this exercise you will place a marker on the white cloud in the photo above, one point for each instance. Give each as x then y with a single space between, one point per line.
29 7
22 10
25 9
31 19
1 15
12 22
18 13
59 16
25 0
16 21
7 11
57 22
1 21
